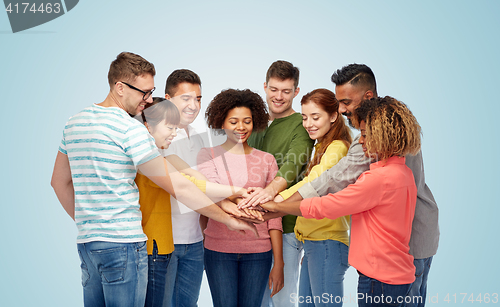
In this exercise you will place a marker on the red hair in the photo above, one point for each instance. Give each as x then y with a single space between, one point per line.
325 99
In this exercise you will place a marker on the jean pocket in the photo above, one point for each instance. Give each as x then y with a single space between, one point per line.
111 263
85 270
344 254
162 258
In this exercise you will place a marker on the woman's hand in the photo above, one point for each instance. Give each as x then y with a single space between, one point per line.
247 214
257 196
276 278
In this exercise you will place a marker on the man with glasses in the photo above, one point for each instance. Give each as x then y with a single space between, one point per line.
101 151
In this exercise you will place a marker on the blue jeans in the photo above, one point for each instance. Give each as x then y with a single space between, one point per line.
157 276
372 292
292 252
184 275
418 291
114 274
322 274
237 280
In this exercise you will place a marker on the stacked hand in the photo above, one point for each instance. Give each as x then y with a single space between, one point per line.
255 197
246 214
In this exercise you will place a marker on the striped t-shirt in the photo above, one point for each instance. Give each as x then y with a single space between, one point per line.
104 147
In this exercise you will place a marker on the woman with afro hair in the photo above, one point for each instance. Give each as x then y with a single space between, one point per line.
238 265
381 203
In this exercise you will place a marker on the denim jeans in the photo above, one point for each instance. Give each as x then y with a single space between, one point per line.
418 291
372 292
237 280
157 276
114 274
292 253
322 274
184 275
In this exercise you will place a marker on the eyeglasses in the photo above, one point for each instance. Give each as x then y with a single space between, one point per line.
146 94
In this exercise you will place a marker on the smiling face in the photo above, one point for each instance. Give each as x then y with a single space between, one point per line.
349 97
316 121
132 101
279 97
187 99
163 133
238 125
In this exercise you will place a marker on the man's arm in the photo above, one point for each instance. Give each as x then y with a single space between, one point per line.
62 183
162 173
335 179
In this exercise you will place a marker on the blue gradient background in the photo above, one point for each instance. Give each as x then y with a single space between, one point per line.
439 57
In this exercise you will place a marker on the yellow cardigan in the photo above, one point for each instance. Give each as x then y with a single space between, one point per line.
156 213
325 229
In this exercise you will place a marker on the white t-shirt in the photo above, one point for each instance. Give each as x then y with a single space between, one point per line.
186 222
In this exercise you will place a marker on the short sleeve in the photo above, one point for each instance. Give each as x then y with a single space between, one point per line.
275 224
62 146
139 145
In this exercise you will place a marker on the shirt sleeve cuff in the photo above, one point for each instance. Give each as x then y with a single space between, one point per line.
305 207
307 191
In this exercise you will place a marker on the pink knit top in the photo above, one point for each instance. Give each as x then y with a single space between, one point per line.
256 169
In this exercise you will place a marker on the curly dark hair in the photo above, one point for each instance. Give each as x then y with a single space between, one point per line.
391 128
229 99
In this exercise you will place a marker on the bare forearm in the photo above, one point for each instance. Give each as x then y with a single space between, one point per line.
283 208
215 190
292 208
277 185
162 173
62 183
66 196
294 198
277 245
272 215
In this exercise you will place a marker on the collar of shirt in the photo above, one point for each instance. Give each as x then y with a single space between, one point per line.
391 160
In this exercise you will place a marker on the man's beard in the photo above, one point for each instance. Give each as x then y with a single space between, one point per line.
348 115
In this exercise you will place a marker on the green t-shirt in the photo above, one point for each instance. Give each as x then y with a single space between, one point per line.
288 141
